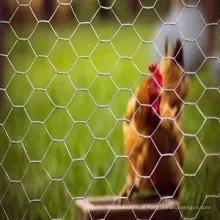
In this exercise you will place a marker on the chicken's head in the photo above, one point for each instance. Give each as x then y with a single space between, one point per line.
155 87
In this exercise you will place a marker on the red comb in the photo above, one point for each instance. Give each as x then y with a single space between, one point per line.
156 72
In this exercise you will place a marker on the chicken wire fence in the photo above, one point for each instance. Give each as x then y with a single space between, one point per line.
33 169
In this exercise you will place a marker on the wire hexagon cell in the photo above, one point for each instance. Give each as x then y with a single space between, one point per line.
71 68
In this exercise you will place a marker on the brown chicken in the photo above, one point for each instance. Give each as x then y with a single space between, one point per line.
154 144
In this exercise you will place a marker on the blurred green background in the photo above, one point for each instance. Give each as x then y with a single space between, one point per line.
64 96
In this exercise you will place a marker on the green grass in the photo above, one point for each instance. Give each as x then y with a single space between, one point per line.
69 133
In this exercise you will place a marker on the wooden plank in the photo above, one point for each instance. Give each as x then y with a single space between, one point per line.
110 209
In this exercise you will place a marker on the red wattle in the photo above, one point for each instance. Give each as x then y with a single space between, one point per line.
156 106
154 69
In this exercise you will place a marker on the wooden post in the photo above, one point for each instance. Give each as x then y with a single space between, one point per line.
135 6
104 13
209 7
98 208
49 8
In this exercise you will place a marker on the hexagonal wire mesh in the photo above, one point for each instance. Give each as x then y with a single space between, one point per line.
65 93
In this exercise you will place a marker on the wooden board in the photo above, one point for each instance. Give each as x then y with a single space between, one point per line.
109 208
